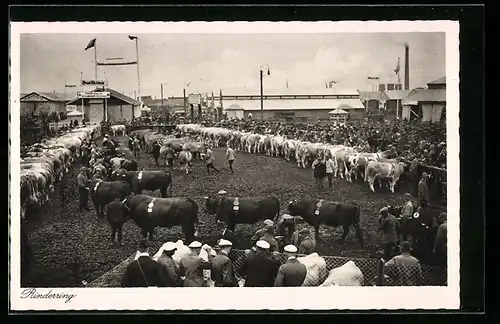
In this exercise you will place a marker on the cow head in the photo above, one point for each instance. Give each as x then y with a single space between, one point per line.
292 208
211 204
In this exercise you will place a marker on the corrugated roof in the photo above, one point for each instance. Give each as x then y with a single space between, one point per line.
234 107
426 95
369 95
296 104
53 96
438 81
397 94
74 113
113 93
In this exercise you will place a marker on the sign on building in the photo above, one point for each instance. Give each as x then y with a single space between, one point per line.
94 95
194 99
94 83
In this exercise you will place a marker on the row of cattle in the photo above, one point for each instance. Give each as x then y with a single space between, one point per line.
45 163
349 162
185 149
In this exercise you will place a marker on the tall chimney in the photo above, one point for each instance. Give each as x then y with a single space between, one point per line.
407 67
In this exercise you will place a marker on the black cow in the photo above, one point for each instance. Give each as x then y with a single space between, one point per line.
234 210
146 180
129 165
104 192
150 212
330 213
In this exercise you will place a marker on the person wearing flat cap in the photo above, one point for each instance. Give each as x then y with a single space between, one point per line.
261 232
83 189
191 266
222 192
171 268
408 207
388 224
423 189
292 273
222 267
258 269
144 271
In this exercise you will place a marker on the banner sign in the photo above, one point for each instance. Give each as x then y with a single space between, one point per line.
194 99
94 95
94 83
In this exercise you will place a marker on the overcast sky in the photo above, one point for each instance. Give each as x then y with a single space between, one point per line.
230 62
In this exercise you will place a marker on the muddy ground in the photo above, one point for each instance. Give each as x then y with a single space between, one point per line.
70 246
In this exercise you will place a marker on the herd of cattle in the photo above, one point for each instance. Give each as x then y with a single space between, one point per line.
45 163
350 163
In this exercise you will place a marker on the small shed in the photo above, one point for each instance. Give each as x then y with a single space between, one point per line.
235 111
339 116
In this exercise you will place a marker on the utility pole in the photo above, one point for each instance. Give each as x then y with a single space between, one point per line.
162 97
184 96
261 96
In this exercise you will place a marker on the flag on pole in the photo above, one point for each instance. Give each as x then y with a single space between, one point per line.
397 68
132 37
91 44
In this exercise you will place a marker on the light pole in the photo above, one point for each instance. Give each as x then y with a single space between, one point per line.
137 63
262 90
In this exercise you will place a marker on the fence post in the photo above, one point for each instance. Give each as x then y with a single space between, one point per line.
380 272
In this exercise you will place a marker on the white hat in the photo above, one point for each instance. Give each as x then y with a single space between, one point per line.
263 244
169 246
195 245
224 242
222 192
287 216
268 222
290 249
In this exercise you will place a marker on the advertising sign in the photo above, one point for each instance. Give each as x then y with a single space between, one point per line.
194 99
94 83
94 95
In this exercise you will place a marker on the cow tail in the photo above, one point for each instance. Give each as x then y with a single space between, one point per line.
276 217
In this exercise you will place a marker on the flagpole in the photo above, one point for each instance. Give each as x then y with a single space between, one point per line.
95 59
138 76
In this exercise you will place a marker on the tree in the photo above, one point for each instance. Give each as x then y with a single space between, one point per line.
442 118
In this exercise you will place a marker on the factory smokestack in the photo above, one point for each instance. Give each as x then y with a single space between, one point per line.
407 67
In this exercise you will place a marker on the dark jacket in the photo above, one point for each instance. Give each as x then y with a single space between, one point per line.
222 271
269 238
156 149
259 270
423 190
192 266
154 274
291 274
319 169
389 226
171 270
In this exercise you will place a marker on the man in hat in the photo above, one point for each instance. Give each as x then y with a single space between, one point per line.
170 155
307 243
269 238
209 160
83 189
261 232
192 266
156 152
319 171
388 225
258 269
144 271
440 243
292 273
171 268
231 156
405 268
423 189
222 267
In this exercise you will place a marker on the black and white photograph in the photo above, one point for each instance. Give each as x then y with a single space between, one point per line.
264 157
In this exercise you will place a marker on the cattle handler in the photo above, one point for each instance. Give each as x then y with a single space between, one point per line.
83 189
292 273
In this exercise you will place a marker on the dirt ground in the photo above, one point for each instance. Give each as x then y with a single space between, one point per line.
70 246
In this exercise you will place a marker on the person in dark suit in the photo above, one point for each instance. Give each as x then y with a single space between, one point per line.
222 271
258 269
389 226
171 269
192 266
292 273
144 271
